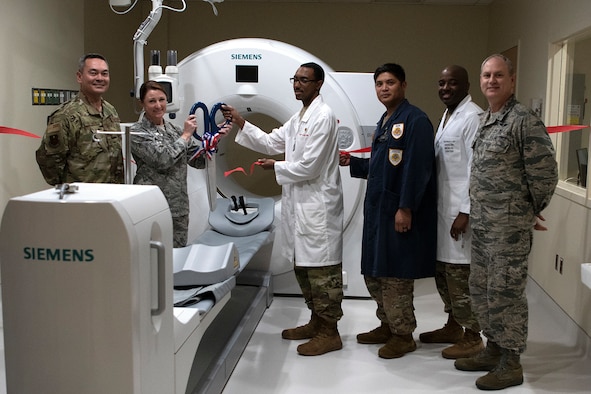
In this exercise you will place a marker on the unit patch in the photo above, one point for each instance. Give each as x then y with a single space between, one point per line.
54 141
395 156
398 130
53 135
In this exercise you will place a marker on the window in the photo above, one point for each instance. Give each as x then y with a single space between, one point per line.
569 75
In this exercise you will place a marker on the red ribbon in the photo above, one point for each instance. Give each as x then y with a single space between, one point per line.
562 129
10 130
550 129
256 163
240 169
362 150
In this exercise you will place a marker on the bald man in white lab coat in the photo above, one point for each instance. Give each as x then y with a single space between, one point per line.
453 153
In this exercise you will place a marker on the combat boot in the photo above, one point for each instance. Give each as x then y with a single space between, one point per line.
486 360
326 340
398 346
306 331
470 345
380 334
451 332
508 373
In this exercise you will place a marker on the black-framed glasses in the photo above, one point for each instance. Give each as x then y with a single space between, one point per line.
303 81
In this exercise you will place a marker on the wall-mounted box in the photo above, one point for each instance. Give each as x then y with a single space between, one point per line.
586 274
42 96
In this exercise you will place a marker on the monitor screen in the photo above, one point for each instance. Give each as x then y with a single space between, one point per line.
247 74
167 86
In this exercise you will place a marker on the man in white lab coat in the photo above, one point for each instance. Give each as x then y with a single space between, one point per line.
453 153
311 204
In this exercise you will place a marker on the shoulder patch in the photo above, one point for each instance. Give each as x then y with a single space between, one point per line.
53 135
397 130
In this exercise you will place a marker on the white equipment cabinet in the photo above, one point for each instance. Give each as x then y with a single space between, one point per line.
84 311
87 292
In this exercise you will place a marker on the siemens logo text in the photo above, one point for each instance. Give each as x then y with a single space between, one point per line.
46 254
246 56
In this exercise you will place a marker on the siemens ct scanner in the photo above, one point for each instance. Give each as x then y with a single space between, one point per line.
253 76
96 300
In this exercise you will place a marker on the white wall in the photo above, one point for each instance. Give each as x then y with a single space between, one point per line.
40 42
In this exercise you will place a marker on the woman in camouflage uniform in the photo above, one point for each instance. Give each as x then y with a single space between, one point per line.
162 151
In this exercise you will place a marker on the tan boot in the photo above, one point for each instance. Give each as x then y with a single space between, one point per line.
307 331
486 360
327 340
380 334
508 373
452 332
398 346
470 345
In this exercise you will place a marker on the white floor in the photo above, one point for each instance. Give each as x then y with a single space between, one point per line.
558 358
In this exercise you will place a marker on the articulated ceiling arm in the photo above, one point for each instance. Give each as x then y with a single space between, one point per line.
140 40
143 32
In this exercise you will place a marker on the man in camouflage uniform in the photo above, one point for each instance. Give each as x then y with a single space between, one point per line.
514 174
71 149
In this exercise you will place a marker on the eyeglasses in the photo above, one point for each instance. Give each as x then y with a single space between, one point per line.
303 81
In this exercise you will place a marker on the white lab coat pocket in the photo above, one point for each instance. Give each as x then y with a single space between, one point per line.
310 220
451 149
311 233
